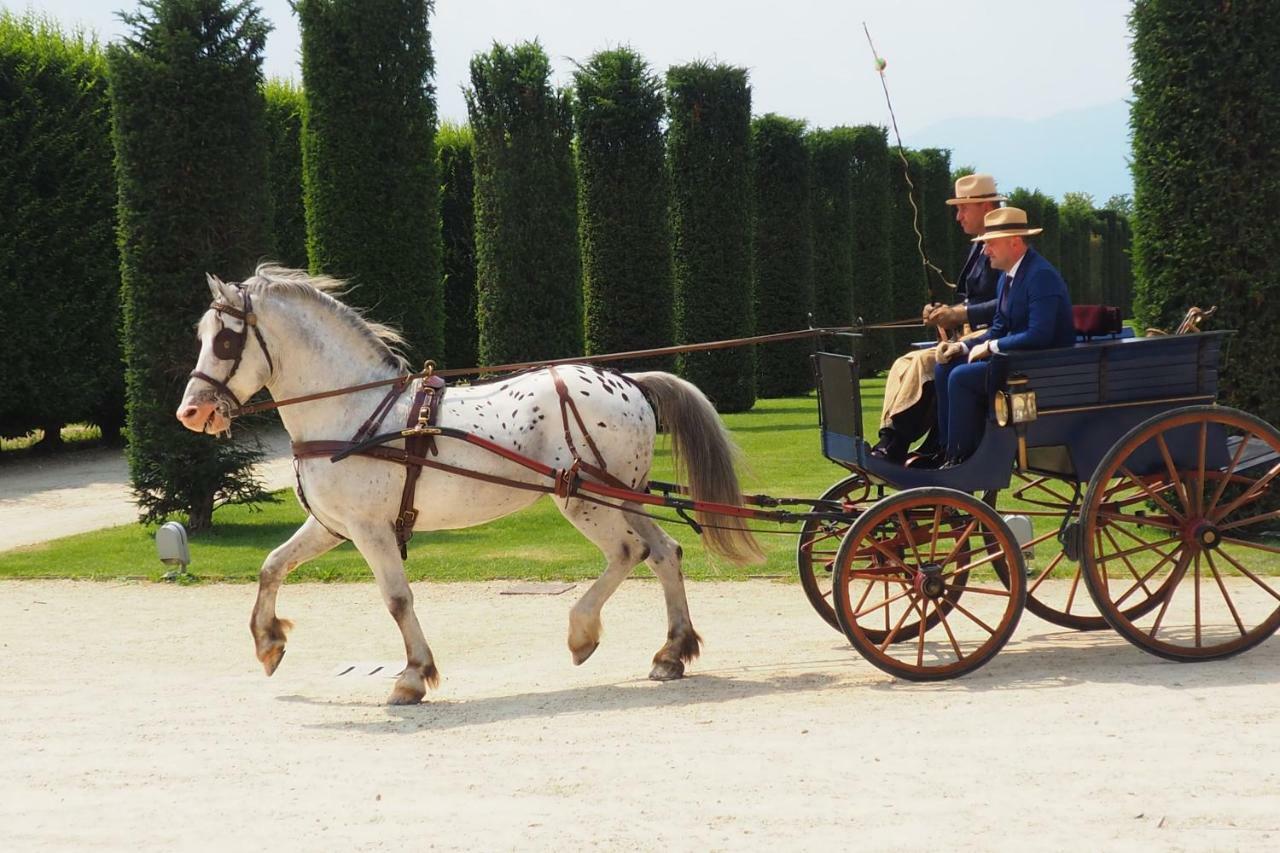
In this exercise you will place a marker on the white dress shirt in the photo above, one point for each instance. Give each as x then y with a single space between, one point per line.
995 345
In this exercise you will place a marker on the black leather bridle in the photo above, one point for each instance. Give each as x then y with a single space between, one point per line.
229 345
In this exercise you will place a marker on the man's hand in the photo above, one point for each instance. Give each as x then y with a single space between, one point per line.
946 316
981 351
928 310
947 352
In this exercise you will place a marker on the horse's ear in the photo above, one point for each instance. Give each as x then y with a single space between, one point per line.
220 289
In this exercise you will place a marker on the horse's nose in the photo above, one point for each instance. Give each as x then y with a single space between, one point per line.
190 416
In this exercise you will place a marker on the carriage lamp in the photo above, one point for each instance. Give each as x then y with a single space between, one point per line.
1015 406
171 546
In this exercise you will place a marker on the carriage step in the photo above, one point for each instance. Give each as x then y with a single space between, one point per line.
1070 539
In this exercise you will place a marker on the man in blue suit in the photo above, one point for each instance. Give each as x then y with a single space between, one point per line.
1033 312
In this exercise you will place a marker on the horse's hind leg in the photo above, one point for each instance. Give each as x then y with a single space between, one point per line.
311 540
626 539
611 532
378 547
683 643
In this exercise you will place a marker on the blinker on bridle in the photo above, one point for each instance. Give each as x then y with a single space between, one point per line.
228 345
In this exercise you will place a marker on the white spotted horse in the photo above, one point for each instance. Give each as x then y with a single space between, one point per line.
285 330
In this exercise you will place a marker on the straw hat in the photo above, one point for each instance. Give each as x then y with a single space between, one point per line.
1005 222
975 188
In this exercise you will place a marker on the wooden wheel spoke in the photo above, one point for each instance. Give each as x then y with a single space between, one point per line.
1161 502
889 636
908 532
1204 435
1128 565
888 599
1171 587
1196 591
1266 516
962 609
1250 575
1255 546
1173 475
1255 491
1134 550
1140 585
1053 564
980 590
946 626
933 541
963 538
1222 587
1140 520
1231 469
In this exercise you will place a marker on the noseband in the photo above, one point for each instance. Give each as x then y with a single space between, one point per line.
229 344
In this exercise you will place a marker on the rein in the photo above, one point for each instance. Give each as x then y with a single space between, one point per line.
776 337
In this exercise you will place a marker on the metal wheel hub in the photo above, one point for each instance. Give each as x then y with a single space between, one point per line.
1202 533
928 581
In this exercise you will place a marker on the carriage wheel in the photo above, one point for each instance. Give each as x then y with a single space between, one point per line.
820 539
1186 509
1046 501
901 570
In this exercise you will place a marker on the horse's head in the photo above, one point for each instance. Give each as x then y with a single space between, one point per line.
234 362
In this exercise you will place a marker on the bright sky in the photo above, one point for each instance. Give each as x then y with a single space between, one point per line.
807 58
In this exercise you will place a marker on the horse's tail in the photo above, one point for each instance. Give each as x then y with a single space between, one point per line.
702 451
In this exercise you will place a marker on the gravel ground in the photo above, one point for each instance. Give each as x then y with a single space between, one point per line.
135 717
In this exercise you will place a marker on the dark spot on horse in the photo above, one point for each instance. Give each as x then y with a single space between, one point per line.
399 606
679 553
601 424
504 424
626 551
540 417
503 388
514 412
535 408
584 393
625 397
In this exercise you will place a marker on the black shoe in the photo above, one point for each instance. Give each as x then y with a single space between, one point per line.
890 447
951 463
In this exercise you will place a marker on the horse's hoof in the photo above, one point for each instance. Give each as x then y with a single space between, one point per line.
580 655
271 659
405 696
667 670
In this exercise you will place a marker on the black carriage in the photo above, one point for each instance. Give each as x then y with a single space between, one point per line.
1147 506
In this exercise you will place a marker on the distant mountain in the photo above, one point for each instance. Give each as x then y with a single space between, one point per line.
1083 150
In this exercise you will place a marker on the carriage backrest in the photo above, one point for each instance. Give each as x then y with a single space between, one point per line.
1121 371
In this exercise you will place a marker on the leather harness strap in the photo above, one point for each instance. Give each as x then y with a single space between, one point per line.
417 443
569 475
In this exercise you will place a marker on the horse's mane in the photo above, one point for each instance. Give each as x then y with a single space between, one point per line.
324 290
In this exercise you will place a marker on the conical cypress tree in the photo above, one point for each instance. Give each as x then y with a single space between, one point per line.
369 159
527 264
783 244
191 164
285 104
622 206
455 163
831 153
872 269
708 144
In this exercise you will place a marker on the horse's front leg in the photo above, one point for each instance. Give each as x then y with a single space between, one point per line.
311 540
379 548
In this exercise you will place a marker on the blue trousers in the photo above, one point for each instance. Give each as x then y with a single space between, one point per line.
962 406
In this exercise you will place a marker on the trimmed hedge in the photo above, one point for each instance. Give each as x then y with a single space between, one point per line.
59 269
368 160
1042 212
285 105
1075 230
527 263
937 216
872 255
191 164
783 243
455 164
1115 273
911 281
1206 166
831 153
709 140
623 230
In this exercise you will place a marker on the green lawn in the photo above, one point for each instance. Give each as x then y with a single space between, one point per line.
779 439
